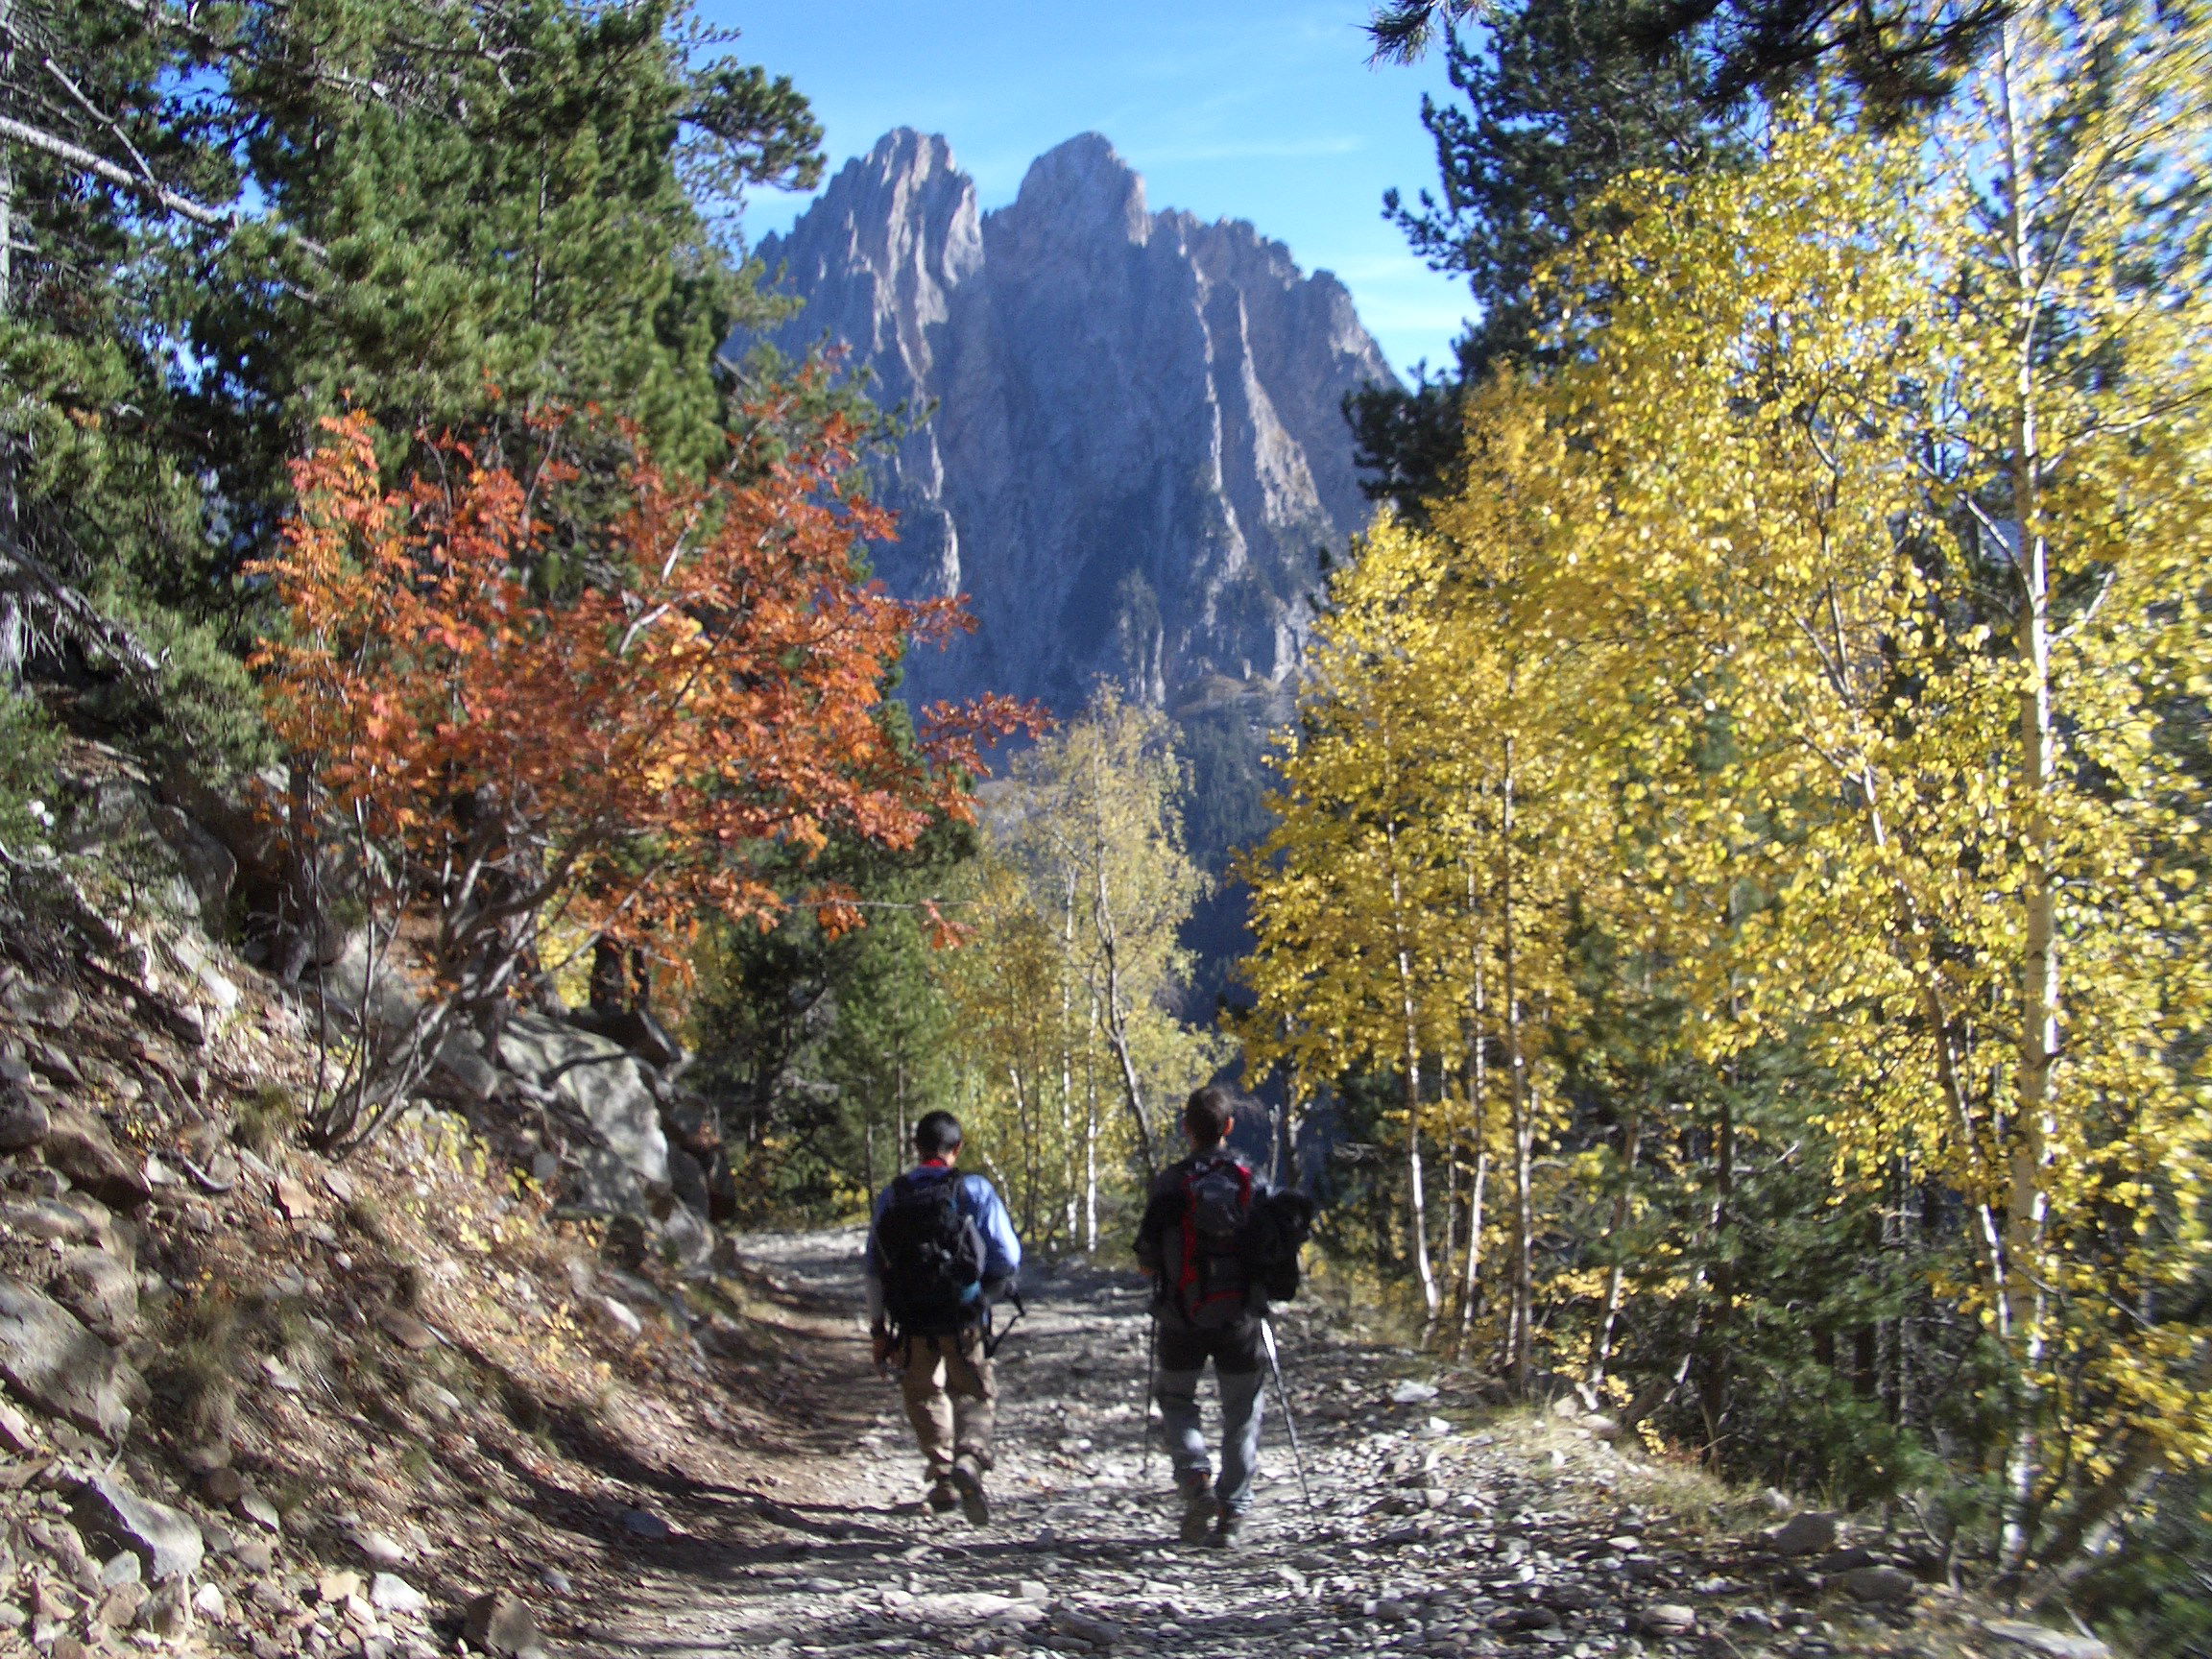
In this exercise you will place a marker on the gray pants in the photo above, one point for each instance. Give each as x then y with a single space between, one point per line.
1236 1352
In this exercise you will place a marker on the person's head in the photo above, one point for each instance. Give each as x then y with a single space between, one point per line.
1207 1116
938 1136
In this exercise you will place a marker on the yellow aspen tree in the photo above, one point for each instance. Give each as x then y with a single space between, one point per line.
1065 991
1923 489
1346 892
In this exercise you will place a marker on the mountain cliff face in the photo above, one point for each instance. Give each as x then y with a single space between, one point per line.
1136 450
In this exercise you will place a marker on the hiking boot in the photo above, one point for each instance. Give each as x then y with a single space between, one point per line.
1226 1531
1199 1510
968 1483
942 1496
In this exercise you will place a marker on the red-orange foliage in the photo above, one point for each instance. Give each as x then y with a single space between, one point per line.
609 731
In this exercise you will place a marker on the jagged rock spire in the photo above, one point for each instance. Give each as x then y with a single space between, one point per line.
1136 452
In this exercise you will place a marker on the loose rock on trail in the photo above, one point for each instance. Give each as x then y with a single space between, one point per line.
1430 1533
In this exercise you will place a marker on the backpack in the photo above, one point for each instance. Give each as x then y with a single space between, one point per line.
932 1256
1274 1233
1211 1287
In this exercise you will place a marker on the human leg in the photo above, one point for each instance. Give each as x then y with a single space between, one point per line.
1238 1373
1241 1404
974 1399
973 1385
922 1384
1183 1354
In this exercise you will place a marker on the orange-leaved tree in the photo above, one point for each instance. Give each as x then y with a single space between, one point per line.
515 720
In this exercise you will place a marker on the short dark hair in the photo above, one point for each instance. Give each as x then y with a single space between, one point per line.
936 1134
1208 1112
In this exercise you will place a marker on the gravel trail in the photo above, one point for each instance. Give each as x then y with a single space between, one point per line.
1435 1531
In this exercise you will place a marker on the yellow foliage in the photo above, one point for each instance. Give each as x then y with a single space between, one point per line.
1827 625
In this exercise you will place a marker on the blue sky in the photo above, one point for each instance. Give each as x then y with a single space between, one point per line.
1258 110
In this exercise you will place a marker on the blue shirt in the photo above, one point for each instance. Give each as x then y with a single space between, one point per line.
977 1199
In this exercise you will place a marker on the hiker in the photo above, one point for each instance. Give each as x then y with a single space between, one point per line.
1207 1306
940 1250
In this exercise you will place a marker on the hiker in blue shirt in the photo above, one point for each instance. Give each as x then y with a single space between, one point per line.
940 1250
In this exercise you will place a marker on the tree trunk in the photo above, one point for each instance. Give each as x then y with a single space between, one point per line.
1071 1152
1479 1119
1713 1401
1028 1133
1448 1234
1408 1006
1117 1025
2038 1023
1616 1277
1091 1161
1282 1159
14 626
1521 1338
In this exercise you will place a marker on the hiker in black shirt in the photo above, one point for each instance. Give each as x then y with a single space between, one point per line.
1207 1308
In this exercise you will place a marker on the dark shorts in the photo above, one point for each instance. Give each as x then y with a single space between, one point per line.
1234 1349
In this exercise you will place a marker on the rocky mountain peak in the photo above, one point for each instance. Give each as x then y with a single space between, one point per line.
1082 191
1137 448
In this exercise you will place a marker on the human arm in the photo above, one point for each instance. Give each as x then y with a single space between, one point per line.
1001 1248
1162 1210
872 1264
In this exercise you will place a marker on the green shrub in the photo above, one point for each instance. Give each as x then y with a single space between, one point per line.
30 745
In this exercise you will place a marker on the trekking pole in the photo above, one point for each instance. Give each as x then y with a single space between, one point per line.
1145 1406
1283 1398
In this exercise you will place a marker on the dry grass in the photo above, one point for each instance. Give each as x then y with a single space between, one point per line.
369 1217
265 1119
198 1371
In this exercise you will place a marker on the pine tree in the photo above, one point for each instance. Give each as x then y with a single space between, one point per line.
1557 104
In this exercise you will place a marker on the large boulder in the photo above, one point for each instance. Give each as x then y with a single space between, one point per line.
274 895
500 1623
597 1078
100 1289
358 990
463 1074
166 1541
632 1028
1811 1533
208 868
24 1118
57 1365
79 1145
598 1182
687 1179
119 820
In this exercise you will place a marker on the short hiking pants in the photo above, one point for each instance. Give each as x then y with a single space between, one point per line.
1239 1362
951 1398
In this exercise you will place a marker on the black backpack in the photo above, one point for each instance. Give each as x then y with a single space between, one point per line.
1274 1233
1211 1284
932 1256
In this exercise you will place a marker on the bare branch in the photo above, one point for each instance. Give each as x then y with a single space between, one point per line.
160 195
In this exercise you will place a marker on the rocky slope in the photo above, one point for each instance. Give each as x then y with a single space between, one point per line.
255 1401
1134 448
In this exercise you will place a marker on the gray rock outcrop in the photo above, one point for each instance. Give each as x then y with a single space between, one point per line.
613 1091
167 1541
1135 453
57 1365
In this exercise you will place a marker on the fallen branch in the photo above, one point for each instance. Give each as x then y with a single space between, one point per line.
72 613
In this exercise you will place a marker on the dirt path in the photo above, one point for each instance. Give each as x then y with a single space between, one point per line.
1435 1531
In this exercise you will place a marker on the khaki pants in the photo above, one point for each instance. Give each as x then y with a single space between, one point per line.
950 1397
